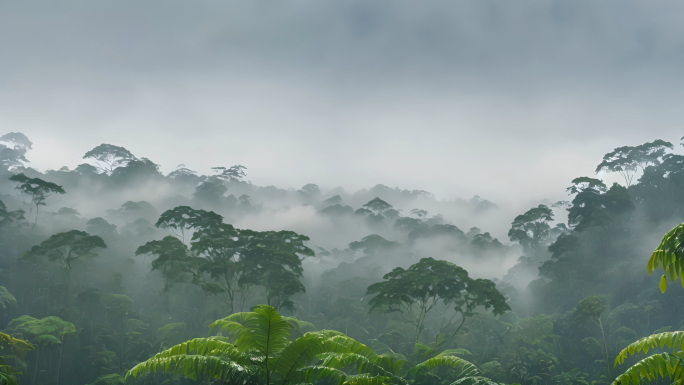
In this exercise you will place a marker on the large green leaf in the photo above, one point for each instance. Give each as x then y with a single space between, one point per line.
303 351
353 345
669 254
365 379
233 325
268 330
262 329
333 376
362 364
7 379
466 368
313 374
474 381
196 367
212 346
673 341
651 368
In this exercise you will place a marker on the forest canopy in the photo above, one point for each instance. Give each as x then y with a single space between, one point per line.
113 272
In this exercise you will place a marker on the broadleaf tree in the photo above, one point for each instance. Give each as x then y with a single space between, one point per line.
37 190
65 248
109 157
416 291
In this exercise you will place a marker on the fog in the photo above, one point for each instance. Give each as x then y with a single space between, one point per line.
460 193
474 98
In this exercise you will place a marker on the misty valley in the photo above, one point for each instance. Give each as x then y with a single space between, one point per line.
112 273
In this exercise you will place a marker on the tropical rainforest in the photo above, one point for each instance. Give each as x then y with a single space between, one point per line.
114 273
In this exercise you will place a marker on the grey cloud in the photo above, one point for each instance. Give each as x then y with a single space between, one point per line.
509 100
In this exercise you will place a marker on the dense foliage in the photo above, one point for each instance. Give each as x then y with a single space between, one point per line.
113 273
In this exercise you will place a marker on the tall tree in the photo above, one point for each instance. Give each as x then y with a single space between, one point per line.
183 174
211 192
221 248
310 193
417 290
37 190
109 157
233 174
651 153
627 160
377 205
184 218
532 228
14 156
65 248
592 207
173 261
136 172
273 260
18 141
46 332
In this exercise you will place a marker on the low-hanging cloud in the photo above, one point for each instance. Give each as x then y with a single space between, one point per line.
475 97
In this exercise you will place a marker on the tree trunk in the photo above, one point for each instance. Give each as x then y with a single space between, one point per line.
59 363
123 335
68 284
35 371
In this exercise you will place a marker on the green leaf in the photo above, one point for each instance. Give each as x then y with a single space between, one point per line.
303 351
467 369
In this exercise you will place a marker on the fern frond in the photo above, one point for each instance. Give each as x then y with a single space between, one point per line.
354 346
268 331
474 381
365 379
313 374
673 341
393 363
197 366
467 369
363 365
662 365
302 351
262 329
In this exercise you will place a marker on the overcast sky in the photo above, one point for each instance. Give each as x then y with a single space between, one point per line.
509 100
